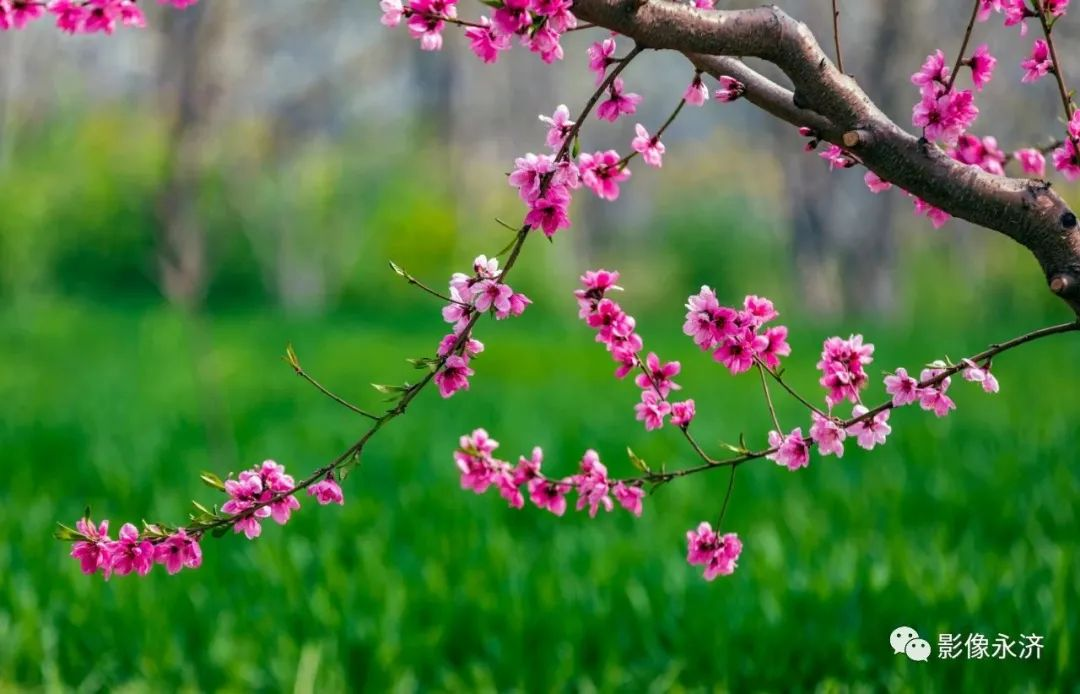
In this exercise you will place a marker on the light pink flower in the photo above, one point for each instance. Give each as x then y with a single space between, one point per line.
618 103
427 30
697 93
700 309
652 409
528 173
828 436
550 495
837 158
903 388
776 346
933 398
718 554
492 295
875 183
1039 63
592 484
327 491
792 451
1031 161
602 173
559 127
972 372
392 11
650 148
871 432
600 56
842 367
629 497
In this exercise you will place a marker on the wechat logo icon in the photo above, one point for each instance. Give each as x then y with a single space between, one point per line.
906 640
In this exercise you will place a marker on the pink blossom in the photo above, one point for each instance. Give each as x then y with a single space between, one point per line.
559 127
737 352
682 413
842 366
327 491
697 93
244 493
982 66
983 153
1016 11
178 551
550 495
70 16
903 388
946 117
492 295
875 183
618 102
937 217
1056 8
528 173
545 43
478 443
629 497
870 432
933 398
558 13
932 76
427 30
1031 161
1038 63
730 89
776 346
600 56
508 488
704 4
986 7
759 309
700 312
718 554
602 173
454 376
513 17
972 372
130 554
792 451
659 375
16 14
652 409
1066 160
470 348
837 158
485 42
549 212
650 148
392 12
528 469
828 435
592 484
518 302
93 551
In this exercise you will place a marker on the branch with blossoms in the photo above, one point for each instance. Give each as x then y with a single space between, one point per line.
947 170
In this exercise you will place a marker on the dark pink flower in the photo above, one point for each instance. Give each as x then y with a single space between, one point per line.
629 497
682 413
842 366
593 485
549 212
936 216
130 554
327 491
602 173
792 451
652 409
730 89
600 56
932 76
618 103
982 66
1066 160
1038 63
659 375
454 376
93 551
485 42
1031 161
178 551
776 346
513 17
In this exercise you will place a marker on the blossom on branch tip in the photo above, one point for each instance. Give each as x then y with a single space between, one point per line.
982 65
559 127
327 491
600 56
972 372
682 413
875 183
718 554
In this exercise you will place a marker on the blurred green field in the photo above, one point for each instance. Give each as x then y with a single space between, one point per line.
958 525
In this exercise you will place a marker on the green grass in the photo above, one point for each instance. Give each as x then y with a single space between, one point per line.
957 525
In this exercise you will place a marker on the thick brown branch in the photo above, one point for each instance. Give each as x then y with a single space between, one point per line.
833 104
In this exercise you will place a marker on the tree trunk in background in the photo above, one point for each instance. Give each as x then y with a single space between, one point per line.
843 237
186 92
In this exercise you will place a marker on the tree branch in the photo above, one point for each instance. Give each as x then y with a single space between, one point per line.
833 104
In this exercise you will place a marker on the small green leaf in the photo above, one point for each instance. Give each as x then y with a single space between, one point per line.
575 149
290 357
202 508
637 462
66 533
212 480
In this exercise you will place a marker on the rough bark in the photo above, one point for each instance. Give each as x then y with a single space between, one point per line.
832 103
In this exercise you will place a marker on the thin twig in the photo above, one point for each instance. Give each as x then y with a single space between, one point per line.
727 497
789 389
768 398
836 35
963 46
336 398
1063 91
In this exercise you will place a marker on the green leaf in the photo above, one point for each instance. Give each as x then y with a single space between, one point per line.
290 357
390 390
212 480
638 462
397 269
575 149
66 533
